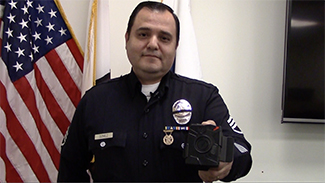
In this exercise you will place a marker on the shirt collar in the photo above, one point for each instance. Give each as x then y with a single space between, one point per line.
135 85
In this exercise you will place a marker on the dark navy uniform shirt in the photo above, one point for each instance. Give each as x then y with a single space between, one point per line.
116 125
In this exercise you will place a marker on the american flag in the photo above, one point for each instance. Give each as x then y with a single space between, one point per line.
40 82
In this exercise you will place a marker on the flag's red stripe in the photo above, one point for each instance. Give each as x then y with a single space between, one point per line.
22 140
28 96
1 24
63 76
11 173
53 107
0 44
74 49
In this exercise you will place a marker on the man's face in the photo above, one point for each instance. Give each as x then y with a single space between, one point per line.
151 45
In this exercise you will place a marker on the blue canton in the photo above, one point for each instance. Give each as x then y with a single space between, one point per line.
30 30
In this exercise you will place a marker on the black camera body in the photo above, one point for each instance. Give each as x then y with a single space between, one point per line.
206 146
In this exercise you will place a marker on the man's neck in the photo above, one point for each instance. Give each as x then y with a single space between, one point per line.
149 79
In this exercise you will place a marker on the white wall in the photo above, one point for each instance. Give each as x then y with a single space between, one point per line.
241 46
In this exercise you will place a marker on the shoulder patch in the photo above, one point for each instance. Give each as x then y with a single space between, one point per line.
233 125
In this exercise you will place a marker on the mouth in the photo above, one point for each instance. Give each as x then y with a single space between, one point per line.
151 56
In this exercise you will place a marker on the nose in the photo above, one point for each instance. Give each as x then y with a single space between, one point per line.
153 43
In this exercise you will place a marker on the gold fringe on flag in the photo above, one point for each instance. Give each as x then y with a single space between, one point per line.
93 24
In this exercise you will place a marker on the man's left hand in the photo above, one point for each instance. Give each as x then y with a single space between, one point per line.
216 173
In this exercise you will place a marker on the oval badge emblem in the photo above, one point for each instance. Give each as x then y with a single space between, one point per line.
182 111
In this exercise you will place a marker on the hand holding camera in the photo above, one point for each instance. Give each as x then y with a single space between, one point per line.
206 146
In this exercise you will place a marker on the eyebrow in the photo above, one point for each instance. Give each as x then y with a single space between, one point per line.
148 29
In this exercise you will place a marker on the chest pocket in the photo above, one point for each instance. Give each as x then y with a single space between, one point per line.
178 144
172 158
108 154
116 139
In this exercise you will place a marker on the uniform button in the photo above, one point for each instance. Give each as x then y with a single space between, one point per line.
145 163
102 144
145 135
147 110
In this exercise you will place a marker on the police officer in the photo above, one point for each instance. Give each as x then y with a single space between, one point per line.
134 128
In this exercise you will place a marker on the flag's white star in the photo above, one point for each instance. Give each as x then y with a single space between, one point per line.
11 18
23 23
13 4
18 66
50 26
25 9
8 47
37 35
48 40
52 13
20 52
9 33
29 3
22 37
31 57
40 9
62 31
35 48
38 22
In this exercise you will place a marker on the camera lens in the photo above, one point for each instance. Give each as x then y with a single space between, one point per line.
202 144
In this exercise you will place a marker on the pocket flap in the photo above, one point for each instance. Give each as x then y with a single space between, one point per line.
114 139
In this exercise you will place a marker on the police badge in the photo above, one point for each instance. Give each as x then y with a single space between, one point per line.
182 111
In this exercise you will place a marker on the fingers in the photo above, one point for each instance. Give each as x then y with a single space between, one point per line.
209 122
216 173
224 169
206 176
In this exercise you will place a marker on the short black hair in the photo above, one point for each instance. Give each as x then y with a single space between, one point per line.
152 5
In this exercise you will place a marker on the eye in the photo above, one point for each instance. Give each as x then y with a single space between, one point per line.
142 35
165 39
